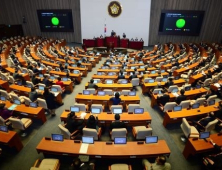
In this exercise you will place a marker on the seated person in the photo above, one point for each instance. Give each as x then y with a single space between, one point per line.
92 122
35 80
158 86
116 100
46 81
60 83
4 112
33 95
169 83
92 85
121 76
133 76
203 122
122 69
163 99
209 74
208 94
72 124
159 164
214 161
181 97
16 75
117 123
78 165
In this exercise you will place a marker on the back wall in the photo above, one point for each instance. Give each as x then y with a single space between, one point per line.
134 20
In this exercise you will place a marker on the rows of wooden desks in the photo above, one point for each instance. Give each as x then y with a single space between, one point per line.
115 86
189 94
95 99
11 139
12 70
26 111
196 146
101 150
105 119
174 117
184 69
63 74
148 86
25 90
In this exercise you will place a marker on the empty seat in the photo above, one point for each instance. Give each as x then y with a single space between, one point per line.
92 132
185 104
140 132
169 106
82 107
121 132
131 107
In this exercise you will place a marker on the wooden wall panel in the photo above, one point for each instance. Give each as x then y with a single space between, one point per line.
12 12
211 28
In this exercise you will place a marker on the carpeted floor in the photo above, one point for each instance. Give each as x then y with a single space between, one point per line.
23 160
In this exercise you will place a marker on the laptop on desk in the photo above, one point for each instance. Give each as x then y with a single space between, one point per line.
195 105
138 110
151 139
132 93
101 93
86 92
33 104
177 108
95 110
57 137
74 109
120 140
204 135
2 98
88 139
117 111
4 129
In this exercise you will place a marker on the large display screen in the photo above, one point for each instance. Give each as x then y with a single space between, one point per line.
177 22
55 20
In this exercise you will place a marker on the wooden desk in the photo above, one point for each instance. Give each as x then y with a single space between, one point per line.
189 94
174 117
36 113
95 99
184 69
95 76
193 147
105 119
5 85
12 70
116 86
25 90
148 86
108 70
11 139
63 74
194 78
100 150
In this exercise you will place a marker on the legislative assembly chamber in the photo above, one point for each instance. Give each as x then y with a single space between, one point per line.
117 85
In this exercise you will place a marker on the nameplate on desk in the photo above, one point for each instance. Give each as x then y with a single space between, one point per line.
65 154
98 156
35 116
174 118
102 121
24 113
132 156
126 121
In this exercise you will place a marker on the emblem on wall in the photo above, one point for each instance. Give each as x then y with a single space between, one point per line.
114 9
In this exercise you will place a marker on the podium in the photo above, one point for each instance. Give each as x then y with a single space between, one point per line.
124 43
100 42
114 40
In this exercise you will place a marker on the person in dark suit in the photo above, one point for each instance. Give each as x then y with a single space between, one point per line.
169 83
214 161
209 93
92 122
163 99
121 76
209 74
72 124
35 80
176 63
117 123
46 81
133 76
116 100
181 97
92 85
203 122
33 95
78 165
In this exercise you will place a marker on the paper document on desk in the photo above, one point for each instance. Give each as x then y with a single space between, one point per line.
12 107
82 115
84 148
175 94
203 73
217 84
56 93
